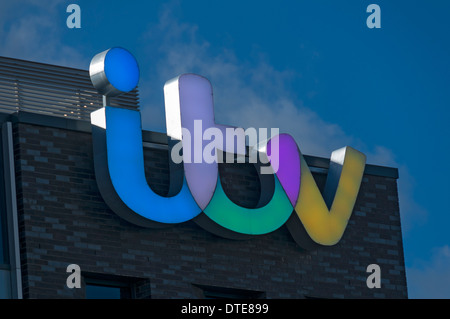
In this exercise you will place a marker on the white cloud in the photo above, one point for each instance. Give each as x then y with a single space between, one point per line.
32 30
412 213
431 279
246 93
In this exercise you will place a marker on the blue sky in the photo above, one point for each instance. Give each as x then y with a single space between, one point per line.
312 68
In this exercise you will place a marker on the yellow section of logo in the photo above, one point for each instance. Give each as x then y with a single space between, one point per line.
323 224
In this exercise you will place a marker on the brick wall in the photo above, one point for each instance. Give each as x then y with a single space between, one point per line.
63 220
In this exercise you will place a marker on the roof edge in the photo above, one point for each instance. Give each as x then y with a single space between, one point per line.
161 138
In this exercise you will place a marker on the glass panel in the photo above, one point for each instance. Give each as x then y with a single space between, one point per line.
3 241
102 292
5 285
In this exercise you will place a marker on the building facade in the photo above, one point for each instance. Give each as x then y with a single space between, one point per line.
53 216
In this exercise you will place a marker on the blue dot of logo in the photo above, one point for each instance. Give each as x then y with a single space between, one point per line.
121 69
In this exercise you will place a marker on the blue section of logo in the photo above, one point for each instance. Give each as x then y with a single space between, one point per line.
121 69
125 158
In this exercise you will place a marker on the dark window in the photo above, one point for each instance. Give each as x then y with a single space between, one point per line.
101 286
108 287
212 292
95 291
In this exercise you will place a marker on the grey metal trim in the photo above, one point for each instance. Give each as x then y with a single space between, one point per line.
11 210
371 169
99 77
384 171
52 90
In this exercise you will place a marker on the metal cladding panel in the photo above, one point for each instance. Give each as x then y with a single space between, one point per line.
52 90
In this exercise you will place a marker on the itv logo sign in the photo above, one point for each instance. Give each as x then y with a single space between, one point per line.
289 194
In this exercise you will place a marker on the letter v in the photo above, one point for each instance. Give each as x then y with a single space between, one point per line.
324 219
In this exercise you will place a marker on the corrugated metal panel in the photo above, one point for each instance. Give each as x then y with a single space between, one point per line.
52 90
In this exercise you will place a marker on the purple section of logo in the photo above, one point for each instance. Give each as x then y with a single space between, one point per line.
189 98
288 163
